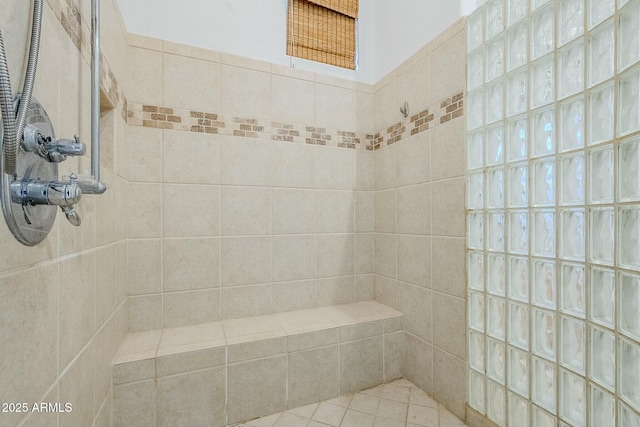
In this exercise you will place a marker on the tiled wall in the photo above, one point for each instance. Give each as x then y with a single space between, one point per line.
419 212
63 303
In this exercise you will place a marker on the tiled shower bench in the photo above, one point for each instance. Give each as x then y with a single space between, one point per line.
229 371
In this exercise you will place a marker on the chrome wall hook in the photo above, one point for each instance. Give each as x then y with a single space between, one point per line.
405 109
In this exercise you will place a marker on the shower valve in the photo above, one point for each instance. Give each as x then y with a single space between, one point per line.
37 192
54 150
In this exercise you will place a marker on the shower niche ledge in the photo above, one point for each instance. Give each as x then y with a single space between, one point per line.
225 372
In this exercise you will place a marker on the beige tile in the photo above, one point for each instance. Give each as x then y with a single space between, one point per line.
134 404
308 340
361 364
140 159
194 398
200 221
293 211
449 382
386 106
358 331
448 207
334 107
363 311
418 362
192 360
268 421
335 211
245 92
288 419
422 415
205 335
190 307
365 287
329 414
130 372
145 312
191 83
104 346
77 387
191 264
449 328
334 255
365 403
334 81
138 346
414 86
190 51
334 168
38 419
365 253
291 71
414 260
397 391
241 301
256 388
293 164
358 419
394 324
386 252
76 306
292 100
106 215
28 313
393 410
419 397
190 158
313 375
416 304
251 326
336 290
364 108
414 159
144 266
414 209
449 266
106 280
144 210
246 260
448 68
394 355
121 272
137 40
245 211
385 291
365 213
385 211
289 296
386 172
448 151
301 321
245 161
365 174
293 257
145 76
255 349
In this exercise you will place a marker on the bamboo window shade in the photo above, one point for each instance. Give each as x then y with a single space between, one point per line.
323 31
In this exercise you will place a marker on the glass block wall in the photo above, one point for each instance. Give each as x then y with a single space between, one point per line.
553 217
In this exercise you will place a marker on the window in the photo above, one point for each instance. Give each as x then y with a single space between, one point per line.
323 31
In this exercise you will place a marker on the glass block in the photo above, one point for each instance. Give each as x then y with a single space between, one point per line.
496 318
572 289
544 234
622 3
629 291
475 238
519 325
518 232
519 371
542 82
544 334
495 18
519 279
495 188
495 145
572 344
572 124
517 135
629 373
475 268
517 95
602 408
599 10
571 72
542 33
629 248
572 243
475 29
601 175
544 182
518 411
517 46
572 181
475 107
476 311
496 274
601 115
496 403
495 97
571 20
476 392
544 384
629 46
476 351
495 58
542 418
602 296
602 356
475 69
495 232
629 114
475 147
573 398
629 170
601 236
496 366
627 417
601 53
544 284
518 184
517 10
544 132
535 4
475 199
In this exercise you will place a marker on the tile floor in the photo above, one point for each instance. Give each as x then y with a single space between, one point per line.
397 404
